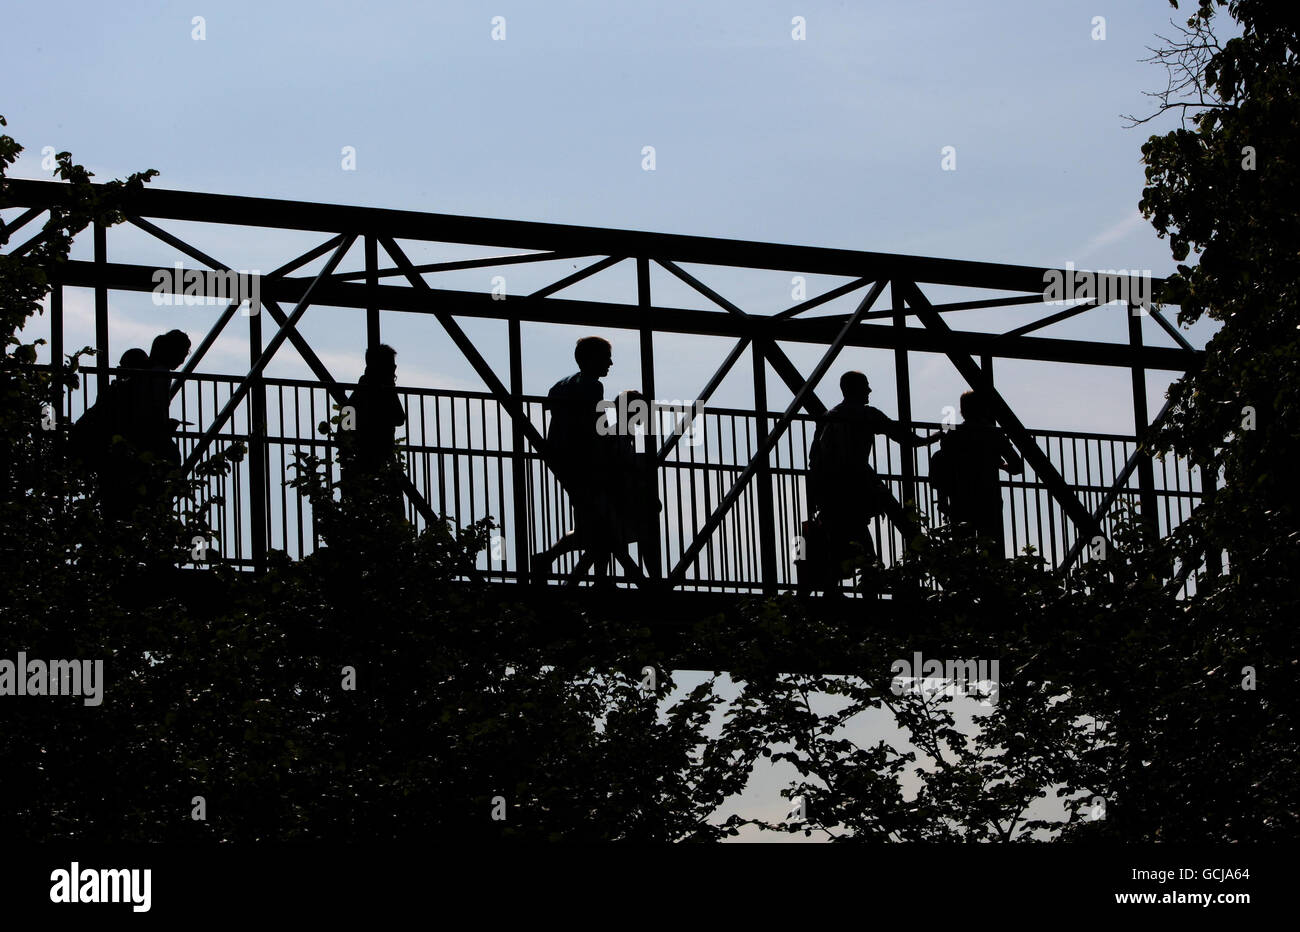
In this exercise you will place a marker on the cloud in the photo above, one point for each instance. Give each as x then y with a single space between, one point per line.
1112 234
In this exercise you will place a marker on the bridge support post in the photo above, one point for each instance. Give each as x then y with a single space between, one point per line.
372 291
1145 468
257 473
763 477
651 548
518 457
56 353
903 381
101 311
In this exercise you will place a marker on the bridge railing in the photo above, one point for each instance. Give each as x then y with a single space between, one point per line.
458 453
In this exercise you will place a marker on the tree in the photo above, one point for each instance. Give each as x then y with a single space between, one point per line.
1198 692
363 693
1225 189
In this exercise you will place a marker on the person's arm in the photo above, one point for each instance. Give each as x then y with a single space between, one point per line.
896 432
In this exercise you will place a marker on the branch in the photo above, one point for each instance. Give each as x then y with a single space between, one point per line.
1185 60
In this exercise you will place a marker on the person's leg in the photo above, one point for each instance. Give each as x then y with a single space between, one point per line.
594 530
566 544
601 522
965 523
600 567
857 553
540 563
839 549
585 536
988 524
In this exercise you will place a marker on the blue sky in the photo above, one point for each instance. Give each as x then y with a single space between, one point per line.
834 140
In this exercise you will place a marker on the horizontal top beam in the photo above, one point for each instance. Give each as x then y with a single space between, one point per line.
332 293
160 203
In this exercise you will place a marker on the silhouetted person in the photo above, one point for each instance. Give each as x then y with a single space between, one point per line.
113 435
637 505
367 435
973 452
584 460
149 424
123 399
134 358
844 490
94 430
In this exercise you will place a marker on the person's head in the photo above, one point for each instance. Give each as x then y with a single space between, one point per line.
381 362
975 407
169 349
631 410
855 387
134 358
594 355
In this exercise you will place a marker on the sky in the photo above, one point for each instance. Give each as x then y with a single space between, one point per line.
835 139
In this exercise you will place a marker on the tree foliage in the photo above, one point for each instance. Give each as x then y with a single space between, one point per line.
236 689
1198 694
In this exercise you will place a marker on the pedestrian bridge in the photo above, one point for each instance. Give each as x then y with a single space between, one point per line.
732 487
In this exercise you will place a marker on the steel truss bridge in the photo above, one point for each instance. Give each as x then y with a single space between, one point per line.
733 499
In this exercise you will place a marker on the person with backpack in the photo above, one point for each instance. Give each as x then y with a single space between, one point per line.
964 472
91 438
91 433
636 505
583 459
844 491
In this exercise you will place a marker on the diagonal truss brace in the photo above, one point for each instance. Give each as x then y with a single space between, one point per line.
1033 454
1140 450
287 329
787 370
761 454
480 365
245 384
775 355
215 331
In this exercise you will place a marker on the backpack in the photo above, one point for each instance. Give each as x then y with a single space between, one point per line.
954 468
91 432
